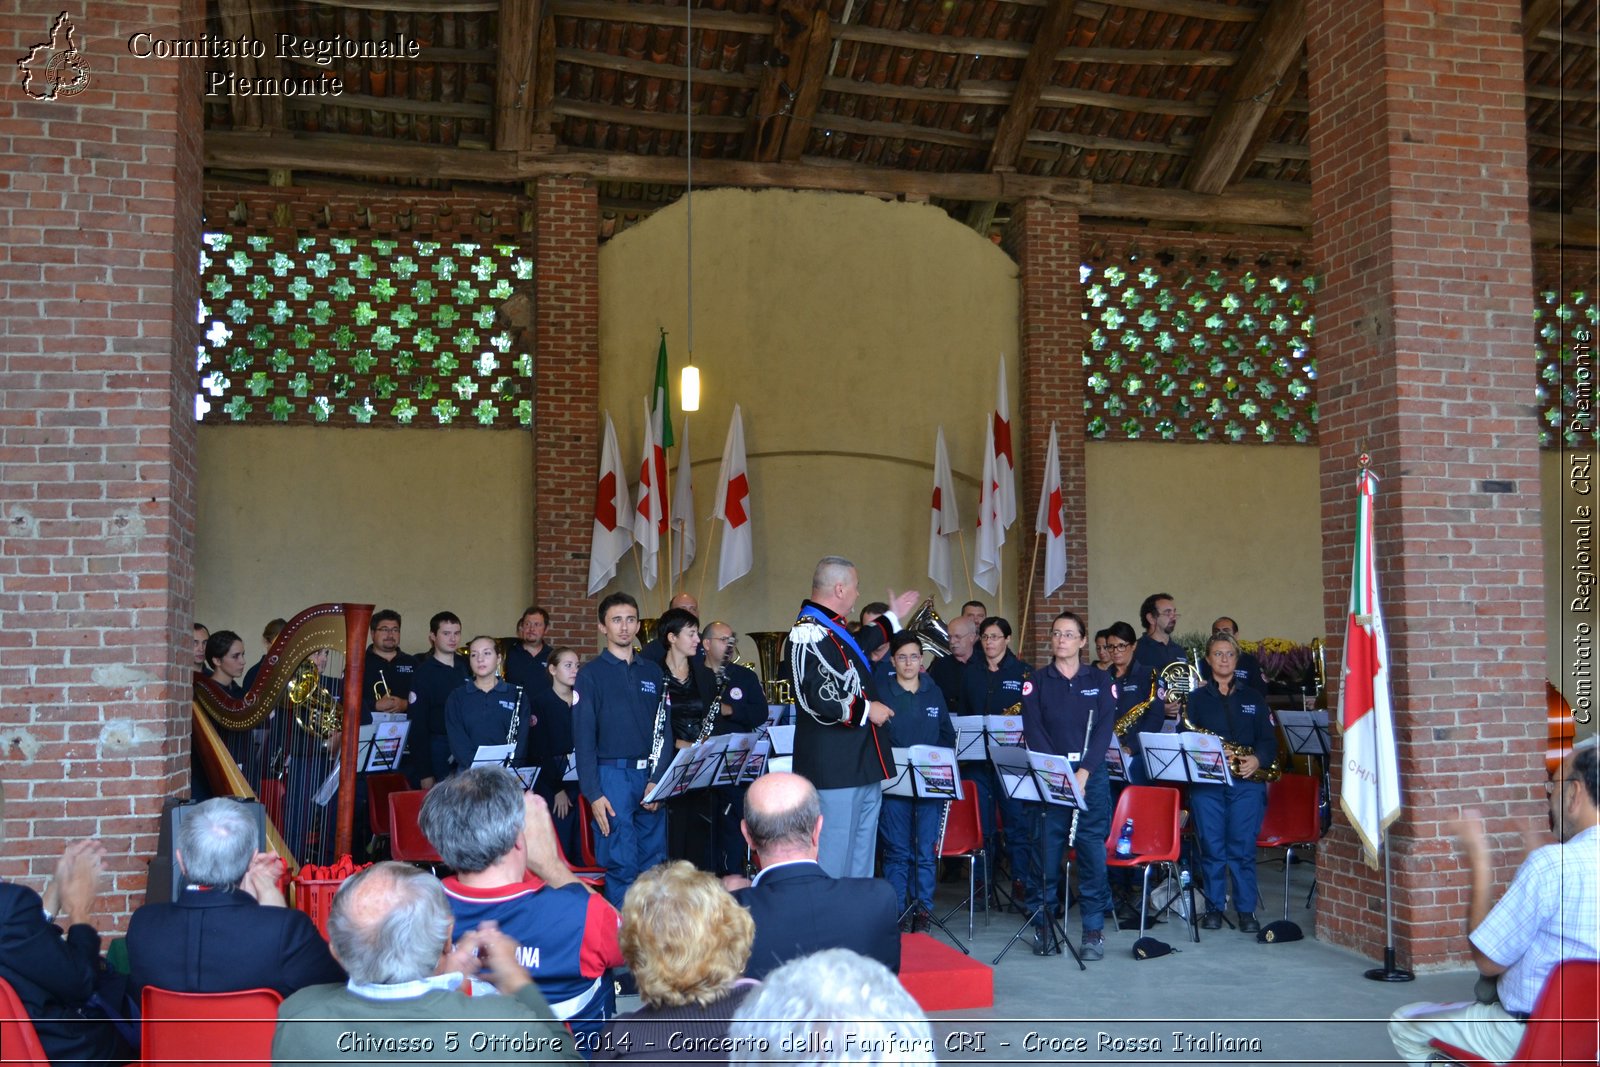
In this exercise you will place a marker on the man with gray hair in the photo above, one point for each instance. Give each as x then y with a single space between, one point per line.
230 928
836 743
797 906
405 1001
509 873
832 1007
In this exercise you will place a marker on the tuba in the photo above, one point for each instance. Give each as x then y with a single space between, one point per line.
1171 674
315 710
929 629
769 646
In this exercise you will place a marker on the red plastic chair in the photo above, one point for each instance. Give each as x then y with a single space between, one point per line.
963 840
207 1029
1562 1028
17 1035
586 835
379 786
1292 820
1157 838
406 840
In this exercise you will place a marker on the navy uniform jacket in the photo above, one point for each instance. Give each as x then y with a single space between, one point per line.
836 745
1155 654
432 683
994 692
741 693
396 673
1135 688
1057 711
222 941
614 707
920 718
1242 717
550 742
798 909
525 669
474 717
950 675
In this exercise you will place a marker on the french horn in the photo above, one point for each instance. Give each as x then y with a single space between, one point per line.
314 707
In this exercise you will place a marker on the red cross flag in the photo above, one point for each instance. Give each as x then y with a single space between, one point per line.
1005 459
612 536
733 507
945 521
1050 522
650 512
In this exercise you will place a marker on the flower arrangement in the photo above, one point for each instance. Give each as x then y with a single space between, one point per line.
1286 664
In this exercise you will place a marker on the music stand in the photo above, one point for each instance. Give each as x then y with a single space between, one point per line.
494 756
926 773
1307 734
698 767
1050 779
1118 763
379 746
1191 759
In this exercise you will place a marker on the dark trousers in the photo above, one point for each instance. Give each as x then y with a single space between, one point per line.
908 832
1053 825
638 838
1227 820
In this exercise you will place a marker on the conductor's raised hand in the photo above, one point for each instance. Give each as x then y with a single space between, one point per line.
904 604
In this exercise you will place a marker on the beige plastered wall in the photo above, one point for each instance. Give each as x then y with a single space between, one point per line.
847 328
411 519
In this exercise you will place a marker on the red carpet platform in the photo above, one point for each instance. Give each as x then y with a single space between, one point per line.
940 978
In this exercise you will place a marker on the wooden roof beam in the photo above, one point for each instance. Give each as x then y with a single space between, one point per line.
1274 50
813 74
516 76
1536 15
1049 38
775 92
254 20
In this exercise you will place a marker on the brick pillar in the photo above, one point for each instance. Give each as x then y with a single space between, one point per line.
1043 238
566 420
1425 353
101 225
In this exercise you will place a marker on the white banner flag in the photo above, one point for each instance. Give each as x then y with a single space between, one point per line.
650 509
991 531
612 532
1005 460
683 506
733 507
944 521
1051 522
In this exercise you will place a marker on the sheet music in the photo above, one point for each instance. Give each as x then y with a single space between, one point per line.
1015 772
1186 757
969 737
733 759
527 776
381 745
926 772
493 755
670 780
755 764
1004 729
782 738
1057 779
1118 764
570 772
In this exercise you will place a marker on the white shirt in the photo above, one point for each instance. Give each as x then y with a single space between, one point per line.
1551 913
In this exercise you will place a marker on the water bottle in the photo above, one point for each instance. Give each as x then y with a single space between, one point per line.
1125 839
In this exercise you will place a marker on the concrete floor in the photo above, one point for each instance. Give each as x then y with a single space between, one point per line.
1305 1001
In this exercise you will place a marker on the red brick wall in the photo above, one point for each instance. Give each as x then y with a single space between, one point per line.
1426 358
567 401
101 224
1044 240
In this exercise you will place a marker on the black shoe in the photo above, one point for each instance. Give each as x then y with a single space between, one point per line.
921 922
906 922
1247 923
1211 920
1044 941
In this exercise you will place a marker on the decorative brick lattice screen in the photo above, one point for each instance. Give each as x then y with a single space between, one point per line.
1189 346
1566 323
352 325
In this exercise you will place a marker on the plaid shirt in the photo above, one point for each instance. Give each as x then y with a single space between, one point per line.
1551 913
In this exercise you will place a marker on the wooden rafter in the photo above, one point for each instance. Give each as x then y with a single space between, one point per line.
776 92
253 20
516 77
1258 86
1049 38
1536 15
813 73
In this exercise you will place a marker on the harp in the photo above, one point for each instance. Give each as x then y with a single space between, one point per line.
266 744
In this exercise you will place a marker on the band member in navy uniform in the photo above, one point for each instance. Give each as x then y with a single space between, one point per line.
1159 617
1069 709
488 711
528 657
622 735
837 743
994 680
1228 817
1136 685
1248 670
907 826
434 678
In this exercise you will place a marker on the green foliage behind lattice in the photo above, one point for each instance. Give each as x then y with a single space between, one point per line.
1566 325
1178 352
373 331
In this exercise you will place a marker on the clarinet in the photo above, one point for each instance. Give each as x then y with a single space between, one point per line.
663 712
713 710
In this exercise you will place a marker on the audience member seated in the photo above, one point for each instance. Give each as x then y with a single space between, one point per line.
231 928
502 846
1550 913
50 954
687 942
797 907
390 928
833 1007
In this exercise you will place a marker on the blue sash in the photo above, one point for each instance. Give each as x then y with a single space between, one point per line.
838 631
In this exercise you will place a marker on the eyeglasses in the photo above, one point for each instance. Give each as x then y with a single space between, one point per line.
387 630
1063 634
1117 646
1550 786
909 658
1172 612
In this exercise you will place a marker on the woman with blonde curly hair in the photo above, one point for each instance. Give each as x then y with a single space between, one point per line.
687 942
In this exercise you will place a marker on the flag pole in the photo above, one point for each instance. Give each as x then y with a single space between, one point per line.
706 566
961 539
1027 596
1389 972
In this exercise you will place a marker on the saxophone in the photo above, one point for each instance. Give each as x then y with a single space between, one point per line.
1270 772
1125 723
713 710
